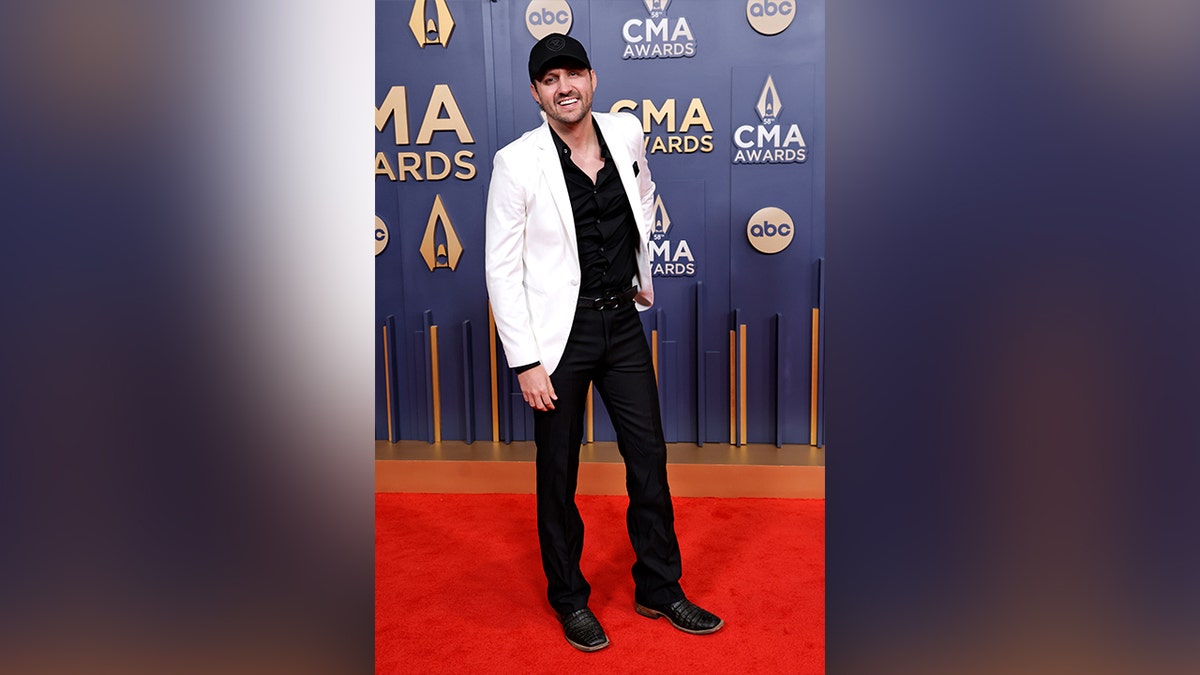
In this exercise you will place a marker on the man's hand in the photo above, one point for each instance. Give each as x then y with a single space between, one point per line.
536 388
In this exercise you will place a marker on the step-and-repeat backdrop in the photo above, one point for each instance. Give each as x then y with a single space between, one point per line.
731 97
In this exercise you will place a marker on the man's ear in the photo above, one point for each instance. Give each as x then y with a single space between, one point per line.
533 93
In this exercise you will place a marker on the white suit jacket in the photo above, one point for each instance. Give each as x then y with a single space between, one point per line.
532 258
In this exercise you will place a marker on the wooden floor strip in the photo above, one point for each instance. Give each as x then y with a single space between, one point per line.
796 472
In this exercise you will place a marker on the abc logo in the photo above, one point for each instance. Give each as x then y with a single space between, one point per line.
770 230
543 17
770 17
381 235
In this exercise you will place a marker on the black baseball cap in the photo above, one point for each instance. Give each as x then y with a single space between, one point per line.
555 47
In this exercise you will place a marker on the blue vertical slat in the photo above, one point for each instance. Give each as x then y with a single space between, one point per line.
504 388
468 384
821 353
415 385
393 338
526 416
701 384
780 408
737 378
427 322
385 425
603 426
714 368
671 416
517 421
660 324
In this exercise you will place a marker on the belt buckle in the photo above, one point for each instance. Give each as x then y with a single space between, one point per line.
611 300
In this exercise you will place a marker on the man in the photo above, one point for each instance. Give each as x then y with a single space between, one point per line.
568 223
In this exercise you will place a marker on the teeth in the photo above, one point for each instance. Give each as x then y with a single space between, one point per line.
567 101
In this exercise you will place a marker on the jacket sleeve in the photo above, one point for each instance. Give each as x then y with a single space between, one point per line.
504 262
645 185
645 182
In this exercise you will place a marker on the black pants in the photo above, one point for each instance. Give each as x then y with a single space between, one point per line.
606 347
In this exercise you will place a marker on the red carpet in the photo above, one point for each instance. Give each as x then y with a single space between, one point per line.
459 588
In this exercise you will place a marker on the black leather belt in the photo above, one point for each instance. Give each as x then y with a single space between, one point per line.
610 299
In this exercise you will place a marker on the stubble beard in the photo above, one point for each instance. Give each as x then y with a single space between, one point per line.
573 117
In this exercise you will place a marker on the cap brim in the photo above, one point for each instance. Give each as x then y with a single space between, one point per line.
558 62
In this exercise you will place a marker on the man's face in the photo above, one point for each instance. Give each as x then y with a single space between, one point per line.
565 94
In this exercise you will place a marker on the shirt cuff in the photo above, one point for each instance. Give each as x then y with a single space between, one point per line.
520 369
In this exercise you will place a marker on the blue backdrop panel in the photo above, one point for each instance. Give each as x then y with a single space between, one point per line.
680 256
404 283
763 284
693 74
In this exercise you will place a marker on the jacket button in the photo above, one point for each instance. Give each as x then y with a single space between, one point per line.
574 282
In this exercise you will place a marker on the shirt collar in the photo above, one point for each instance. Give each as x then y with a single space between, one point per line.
564 152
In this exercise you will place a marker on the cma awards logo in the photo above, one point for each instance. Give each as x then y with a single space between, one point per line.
658 37
682 130
442 116
770 17
431 30
768 143
543 17
770 230
440 246
667 260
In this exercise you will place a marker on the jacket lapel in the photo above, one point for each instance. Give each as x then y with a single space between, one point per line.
551 168
620 155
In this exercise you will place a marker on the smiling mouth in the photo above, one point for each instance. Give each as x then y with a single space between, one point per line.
567 102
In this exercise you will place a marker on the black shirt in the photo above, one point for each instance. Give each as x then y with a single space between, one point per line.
604 224
604 227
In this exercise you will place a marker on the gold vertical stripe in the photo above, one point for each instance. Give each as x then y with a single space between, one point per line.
654 352
816 345
591 429
437 388
387 386
732 387
742 381
495 375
